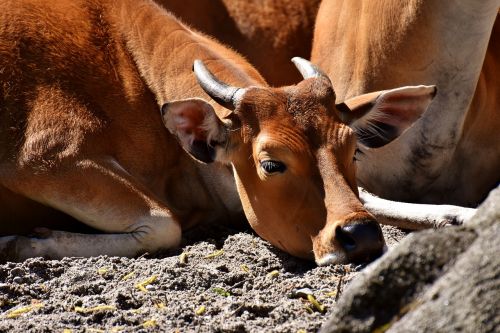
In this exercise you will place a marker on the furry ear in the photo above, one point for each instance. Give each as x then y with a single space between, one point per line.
195 124
380 117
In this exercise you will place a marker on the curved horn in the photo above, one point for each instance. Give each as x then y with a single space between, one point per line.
224 94
307 69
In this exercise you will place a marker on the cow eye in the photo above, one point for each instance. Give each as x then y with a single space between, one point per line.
270 166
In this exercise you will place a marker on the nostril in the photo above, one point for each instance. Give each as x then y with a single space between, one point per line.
362 240
366 231
164 109
345 239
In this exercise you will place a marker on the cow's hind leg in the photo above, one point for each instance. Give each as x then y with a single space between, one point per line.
104 196
414 216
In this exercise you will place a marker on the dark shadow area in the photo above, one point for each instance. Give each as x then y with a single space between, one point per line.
212 233
217 233
20 216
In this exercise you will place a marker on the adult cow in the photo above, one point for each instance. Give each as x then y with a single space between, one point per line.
82 82
267 32
452 154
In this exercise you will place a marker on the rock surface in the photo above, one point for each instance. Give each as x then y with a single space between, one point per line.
433 281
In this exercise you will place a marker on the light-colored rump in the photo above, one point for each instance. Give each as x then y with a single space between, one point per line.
451 155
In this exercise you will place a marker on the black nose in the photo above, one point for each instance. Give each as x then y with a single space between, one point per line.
362 240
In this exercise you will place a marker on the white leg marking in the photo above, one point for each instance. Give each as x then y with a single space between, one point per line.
148 236
414 216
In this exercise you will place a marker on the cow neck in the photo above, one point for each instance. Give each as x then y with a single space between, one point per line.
164 51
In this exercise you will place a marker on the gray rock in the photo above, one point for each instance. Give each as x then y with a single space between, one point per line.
435 281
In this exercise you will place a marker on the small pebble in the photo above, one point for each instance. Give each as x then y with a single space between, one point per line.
17 280
17 271
302 292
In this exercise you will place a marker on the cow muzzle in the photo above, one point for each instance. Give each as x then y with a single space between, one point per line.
357 240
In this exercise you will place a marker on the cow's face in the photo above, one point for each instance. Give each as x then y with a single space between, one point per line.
293 156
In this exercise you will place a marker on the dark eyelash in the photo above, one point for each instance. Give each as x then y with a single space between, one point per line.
271 166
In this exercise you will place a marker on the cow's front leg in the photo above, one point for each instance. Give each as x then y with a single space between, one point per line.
414 216
104 196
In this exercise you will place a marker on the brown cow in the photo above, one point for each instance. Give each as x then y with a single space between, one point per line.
452 154
267 32
82 82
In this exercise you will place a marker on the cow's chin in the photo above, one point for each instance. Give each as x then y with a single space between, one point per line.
340 257
333 258
298 248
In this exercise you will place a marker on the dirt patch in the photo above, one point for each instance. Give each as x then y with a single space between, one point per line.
221 280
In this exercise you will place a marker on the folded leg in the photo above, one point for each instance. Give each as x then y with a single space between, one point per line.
104 196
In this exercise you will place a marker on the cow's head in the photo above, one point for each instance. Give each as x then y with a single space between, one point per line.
293 154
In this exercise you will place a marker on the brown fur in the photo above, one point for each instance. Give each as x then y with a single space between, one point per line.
83 95
372 45
82 83
268 32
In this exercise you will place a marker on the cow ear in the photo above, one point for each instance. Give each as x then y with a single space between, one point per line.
378 118
194 123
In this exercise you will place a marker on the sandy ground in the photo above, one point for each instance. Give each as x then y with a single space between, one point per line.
221 280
